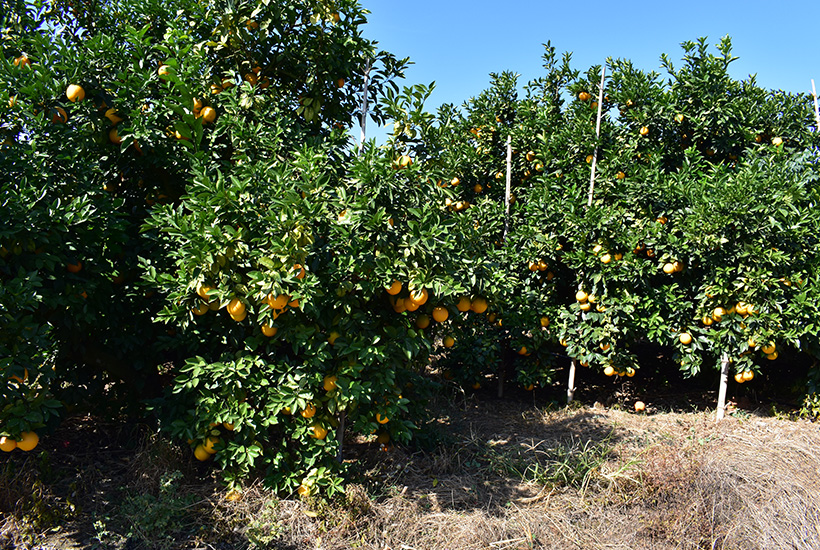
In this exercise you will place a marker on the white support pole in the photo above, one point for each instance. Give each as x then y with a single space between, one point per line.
816 108
508 187
363 116
573 366
724 382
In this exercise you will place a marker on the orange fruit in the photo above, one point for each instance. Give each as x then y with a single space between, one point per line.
448 341
739 378
114 137
203 290
319 431
329 382
74 268
250 24
209 445
771 356
164 70
334 335
530 156
423 321
404 162
630 372
606 258
440 314
279 302
644 130
60 116
584 96
268 330
394 288
303 490
382 419
340 83
22 61
748 375
586 306
545 321
609 370
228 426
28 441
718 313
685 338
768 349
201 454
7 444
463 304
479 305
111 114
309 411
208 114
201 309
75 93
668 268
410 305
640 406
419 296
620 175
581 296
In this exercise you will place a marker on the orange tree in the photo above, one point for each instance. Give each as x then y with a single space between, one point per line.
195 169
702 200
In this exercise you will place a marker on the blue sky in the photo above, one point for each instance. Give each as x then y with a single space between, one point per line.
457 43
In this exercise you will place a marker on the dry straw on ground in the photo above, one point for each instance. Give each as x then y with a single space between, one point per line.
510 477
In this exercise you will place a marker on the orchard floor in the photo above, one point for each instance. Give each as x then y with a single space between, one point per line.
509 473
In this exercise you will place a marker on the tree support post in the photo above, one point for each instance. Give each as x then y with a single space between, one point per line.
724 382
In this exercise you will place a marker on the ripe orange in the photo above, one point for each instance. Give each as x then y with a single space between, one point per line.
75 93
382 419
545 321
228 426
208 114
609 370
28 441
269 331
584 96
329 382
303 490
319 431
340 83
771 356
251 25
581 296
630 372
768 349
606 258
114 137
111 114
203 290
236 308
279 302
210 445
640 406
644 130
201 309
164 70
74 268
7 444
522 350
60 116
419 296
678 266
463 304
530 156
748 375
685 338
477 188
586 306
717 314
423 321
448 341
309 411
739 378
455 181
410 305
479 305
620 175
679 118
404 162
668 268
201 453
22 61
394 288
440 314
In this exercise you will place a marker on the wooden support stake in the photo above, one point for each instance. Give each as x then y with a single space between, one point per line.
573 366
363 117
340 436
507 192
724 382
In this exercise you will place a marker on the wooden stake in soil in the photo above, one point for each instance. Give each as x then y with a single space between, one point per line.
363 117
724 381
502 369
341 436
816 108
574 363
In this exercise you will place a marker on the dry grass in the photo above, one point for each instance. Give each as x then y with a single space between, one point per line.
515 477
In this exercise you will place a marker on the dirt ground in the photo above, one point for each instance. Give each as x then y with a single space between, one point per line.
507 475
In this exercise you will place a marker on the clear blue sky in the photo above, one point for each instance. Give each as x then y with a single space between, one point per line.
457 43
